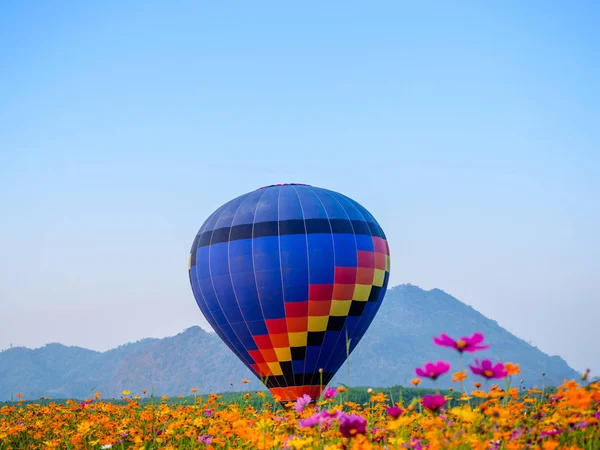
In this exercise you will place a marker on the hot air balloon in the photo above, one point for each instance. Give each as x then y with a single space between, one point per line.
287 275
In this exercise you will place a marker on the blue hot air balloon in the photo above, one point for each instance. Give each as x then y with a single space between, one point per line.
285 275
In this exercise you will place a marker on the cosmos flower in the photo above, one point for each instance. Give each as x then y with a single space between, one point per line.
321 418
394 412
433 402
512 369
464 344
352 424
550 433
433 370
459 376
330 393
204 439
488 370
302 402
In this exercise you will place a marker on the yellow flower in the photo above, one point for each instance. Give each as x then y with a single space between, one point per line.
126 392
464 413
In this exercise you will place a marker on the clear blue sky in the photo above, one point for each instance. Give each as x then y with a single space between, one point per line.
471 130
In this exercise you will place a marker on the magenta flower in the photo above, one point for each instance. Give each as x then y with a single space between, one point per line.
433 370
302 402
464 344
550 433
394 412
330 393
487 370
433 402
351 425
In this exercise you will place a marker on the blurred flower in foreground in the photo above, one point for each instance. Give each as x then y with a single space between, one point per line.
302 402
330 393
206 440
352 424
433 370
433 402
488 370
464 344
459 376
512 369
394 412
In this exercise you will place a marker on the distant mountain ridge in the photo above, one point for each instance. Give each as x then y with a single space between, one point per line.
398 340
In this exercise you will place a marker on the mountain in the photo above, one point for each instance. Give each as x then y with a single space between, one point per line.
398 340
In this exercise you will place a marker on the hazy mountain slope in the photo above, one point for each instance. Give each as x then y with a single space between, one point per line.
399 339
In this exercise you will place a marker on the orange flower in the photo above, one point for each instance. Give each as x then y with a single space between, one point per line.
550 445
477 385
341 389
244 381
415 381
194 390
459 376
512 369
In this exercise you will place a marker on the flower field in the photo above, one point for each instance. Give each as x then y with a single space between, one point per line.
488 409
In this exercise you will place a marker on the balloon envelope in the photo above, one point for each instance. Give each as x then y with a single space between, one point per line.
286 275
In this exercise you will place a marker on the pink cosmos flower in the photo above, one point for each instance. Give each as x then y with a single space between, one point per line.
321 418
302 402
433 370
206 440
352 424
464 344
330 393
487 370
394 412
433 402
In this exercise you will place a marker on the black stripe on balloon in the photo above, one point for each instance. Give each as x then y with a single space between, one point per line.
194 250
287 227
374 295
301 379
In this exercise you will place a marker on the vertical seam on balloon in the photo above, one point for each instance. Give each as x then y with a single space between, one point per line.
355 276
359 207
362 210
282 286
213 285
226 338
231 276
334 265
254 271
308 286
